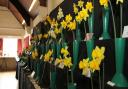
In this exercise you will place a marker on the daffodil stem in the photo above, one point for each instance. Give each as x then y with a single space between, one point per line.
91 81
73 35
121 21
99 80
72 76
113 19
85 29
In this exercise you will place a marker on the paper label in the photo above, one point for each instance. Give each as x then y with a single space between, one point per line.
61 65
125 32
32 74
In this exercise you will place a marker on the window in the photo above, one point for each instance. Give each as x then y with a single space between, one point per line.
10 47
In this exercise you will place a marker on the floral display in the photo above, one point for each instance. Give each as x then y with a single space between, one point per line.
48 56
60 14
65 60
97 57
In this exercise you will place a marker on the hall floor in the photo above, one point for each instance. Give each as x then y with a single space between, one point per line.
8 80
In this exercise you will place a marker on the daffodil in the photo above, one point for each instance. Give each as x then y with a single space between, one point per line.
78 18
89 6
40 36
84 65
34 54
121 1
47 56
64 24
68 62
60 14
49 19
58 61
94 65
84 14
45 36
80 3
75 8
72 25
104 3
68 18
98 54
64 51
53 22
57 31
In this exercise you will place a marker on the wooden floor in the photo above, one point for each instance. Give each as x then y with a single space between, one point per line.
8 80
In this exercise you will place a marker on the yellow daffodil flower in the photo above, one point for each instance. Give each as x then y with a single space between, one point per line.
68 18
64 51
84 14
75 8
89 6
80 3
67 62
60 14
57 31
64 24
78 18
47 56
34 54
84 63
72 25
104 3
94 65
40 36
45 36
49 19
98 54
58 61
53 22
121 1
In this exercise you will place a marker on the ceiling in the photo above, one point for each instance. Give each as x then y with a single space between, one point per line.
14 12
20 8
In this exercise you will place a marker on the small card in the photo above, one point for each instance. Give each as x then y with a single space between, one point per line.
111 83
41 56
125 32
32 74
61 65
88 36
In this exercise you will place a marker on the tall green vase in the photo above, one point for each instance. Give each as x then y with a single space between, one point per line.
105 33
53 72
119 79
90 46
78 33
71 85
75 53
91 22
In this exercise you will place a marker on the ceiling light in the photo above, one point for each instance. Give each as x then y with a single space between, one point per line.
32 5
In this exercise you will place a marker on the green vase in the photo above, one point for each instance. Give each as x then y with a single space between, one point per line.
58 48
78 33
53 72
75 53
105 33
91 22
71 86
90 46
119 78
